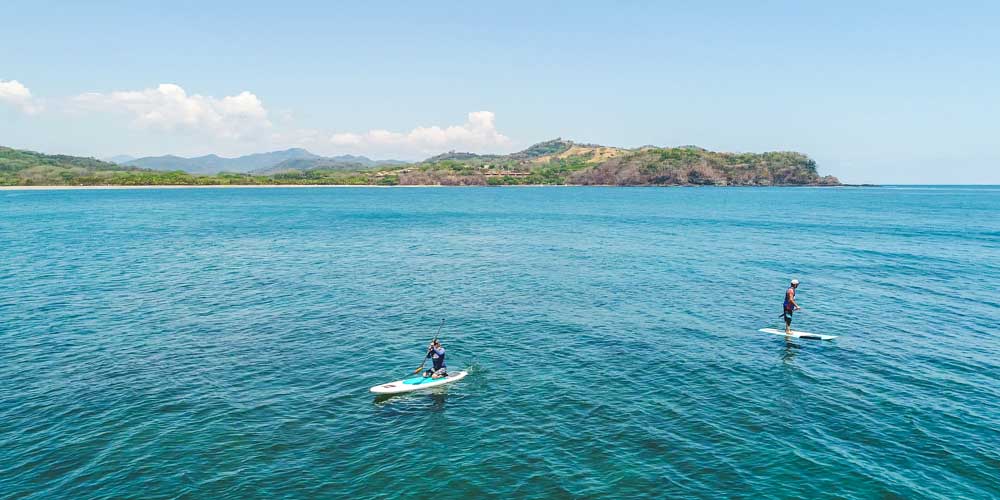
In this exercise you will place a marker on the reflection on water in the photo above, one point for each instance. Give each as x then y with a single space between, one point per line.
432 399
790 350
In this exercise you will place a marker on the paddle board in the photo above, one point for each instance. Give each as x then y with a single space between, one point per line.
417 383
798 335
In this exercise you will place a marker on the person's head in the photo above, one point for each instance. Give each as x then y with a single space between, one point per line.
436 343
795 283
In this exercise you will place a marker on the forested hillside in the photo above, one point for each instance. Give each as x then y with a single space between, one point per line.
556 162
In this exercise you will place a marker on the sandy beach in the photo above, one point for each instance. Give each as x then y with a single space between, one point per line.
224 186
421 186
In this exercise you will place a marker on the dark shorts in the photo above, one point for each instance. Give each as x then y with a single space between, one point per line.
787 315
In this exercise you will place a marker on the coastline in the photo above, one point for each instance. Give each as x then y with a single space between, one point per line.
208 186
251 186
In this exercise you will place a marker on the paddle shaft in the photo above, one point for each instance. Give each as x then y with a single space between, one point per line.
424 362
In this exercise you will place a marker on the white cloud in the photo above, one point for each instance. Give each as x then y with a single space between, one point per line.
16 94
169 107
240 124
477 133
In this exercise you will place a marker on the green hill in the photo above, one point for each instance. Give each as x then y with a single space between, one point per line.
555 162
344 162
18 167
695 166
29 168
565 162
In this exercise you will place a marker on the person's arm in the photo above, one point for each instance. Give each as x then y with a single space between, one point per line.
439 351
791 298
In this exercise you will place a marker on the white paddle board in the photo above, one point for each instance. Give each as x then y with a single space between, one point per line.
798 335
417 383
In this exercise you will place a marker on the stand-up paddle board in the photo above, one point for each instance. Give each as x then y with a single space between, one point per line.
798 335
417 383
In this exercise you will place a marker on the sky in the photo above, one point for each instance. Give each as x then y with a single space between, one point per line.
875 92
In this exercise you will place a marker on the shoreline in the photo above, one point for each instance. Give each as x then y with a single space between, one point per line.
185 186
252 186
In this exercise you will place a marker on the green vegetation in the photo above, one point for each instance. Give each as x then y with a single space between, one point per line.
548 163
28 168
563 162
695 166
546 148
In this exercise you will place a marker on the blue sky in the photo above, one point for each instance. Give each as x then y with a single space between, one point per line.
884 92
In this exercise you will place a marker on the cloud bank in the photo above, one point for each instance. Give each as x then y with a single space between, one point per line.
240 123
477 133
14 93
168 107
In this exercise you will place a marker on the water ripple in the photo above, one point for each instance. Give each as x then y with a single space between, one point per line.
220 343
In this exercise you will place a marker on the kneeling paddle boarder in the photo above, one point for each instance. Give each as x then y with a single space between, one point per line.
436 353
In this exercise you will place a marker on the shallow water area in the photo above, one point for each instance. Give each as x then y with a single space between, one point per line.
221 343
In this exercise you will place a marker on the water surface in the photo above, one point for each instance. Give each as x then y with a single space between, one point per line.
219 343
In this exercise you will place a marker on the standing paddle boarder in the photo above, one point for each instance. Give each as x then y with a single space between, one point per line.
790 305
435 352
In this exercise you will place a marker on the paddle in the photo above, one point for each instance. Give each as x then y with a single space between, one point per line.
421 367
782 315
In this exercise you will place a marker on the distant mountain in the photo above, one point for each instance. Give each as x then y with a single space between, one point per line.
213 164
342 162
120 159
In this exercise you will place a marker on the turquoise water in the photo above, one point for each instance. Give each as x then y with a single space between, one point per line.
220 343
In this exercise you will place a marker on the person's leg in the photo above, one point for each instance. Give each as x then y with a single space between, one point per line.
788 322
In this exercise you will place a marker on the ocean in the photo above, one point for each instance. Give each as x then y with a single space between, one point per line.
220 343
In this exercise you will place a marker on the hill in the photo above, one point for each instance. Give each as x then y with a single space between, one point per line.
30 168
259 163
555 162
19 167
696 166
542 149
343 162
564 162
213 164
120 159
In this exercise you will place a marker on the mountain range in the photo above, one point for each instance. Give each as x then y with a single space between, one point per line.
258 163
555 162
119 159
